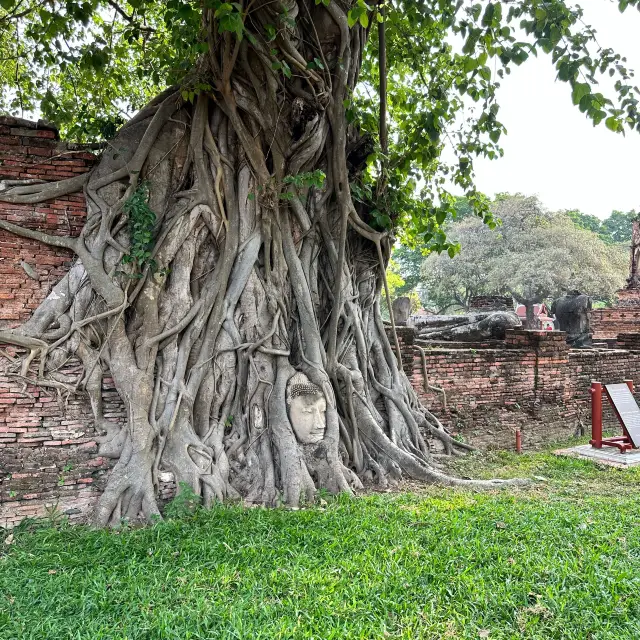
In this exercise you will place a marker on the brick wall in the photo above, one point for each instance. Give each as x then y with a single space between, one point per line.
49 462
624 317
30 150
48 453
606 324
532 381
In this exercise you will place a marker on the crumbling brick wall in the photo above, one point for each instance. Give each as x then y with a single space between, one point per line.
607 324
49 462
532 382
48 454
30 150
623 317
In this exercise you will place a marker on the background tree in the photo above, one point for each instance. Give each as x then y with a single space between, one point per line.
584 220
614 229
409 260
544 256
533 255
617 227
397 288
407 264
450 284
239 223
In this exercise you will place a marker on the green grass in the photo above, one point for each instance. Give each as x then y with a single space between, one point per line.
558 560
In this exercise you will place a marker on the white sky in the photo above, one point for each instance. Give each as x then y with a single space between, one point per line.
551 148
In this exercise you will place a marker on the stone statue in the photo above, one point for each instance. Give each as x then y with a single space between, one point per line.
470 327
307 409
633 281
401 309
572 315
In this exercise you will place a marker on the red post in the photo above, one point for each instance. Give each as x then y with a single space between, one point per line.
630 385
596 414
518 441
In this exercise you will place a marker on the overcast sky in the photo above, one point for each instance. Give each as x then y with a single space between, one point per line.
551 148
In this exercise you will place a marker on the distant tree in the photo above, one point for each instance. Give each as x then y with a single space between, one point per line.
407 263
451 283
614 229
533 255
546 255
617 227
462 208
584 220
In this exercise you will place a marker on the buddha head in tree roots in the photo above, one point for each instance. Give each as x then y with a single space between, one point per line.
307 409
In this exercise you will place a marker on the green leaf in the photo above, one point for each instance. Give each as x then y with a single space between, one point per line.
541 14
580 89
555 35
612 123
487 18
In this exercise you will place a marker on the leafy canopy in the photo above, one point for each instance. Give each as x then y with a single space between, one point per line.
534 255
89 64
614 229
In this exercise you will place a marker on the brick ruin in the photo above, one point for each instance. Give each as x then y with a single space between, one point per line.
624 316
531 381
47 451
491 303
49 460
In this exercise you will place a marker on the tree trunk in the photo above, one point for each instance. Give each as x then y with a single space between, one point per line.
530 322
243 333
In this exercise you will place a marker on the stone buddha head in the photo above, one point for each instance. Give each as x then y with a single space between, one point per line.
307 409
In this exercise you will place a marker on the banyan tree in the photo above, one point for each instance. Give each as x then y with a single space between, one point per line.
230 271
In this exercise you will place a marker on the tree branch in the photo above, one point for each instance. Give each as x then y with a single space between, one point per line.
127 17
63 242
32 193
382 63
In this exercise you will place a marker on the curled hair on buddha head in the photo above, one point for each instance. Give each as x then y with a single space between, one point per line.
300 385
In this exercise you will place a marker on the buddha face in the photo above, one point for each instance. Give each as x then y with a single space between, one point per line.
307 409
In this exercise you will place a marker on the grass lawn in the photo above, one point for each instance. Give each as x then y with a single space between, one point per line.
558 560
